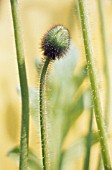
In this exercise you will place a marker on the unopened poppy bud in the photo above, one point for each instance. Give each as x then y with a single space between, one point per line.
56 42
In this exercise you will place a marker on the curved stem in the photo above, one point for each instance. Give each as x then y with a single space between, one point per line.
43 120
94 85
24 141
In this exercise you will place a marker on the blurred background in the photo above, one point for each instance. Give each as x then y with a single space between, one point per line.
37 16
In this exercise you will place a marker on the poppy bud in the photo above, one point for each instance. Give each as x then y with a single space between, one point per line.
56 42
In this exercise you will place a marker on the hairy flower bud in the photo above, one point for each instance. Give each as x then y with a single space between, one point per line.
55 42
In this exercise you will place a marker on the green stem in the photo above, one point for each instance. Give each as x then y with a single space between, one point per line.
43 118
94 85
105 56
24 87
88 143
106 69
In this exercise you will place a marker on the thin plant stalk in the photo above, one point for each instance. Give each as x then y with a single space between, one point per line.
106 68
94 84
88 143
43 120
105 57
24 141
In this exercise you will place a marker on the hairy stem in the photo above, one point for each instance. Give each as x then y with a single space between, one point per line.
43 120
94 84
23 85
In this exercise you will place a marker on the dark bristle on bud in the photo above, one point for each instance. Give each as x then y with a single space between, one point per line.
56 42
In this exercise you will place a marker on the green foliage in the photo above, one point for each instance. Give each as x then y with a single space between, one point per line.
33 161
65 105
